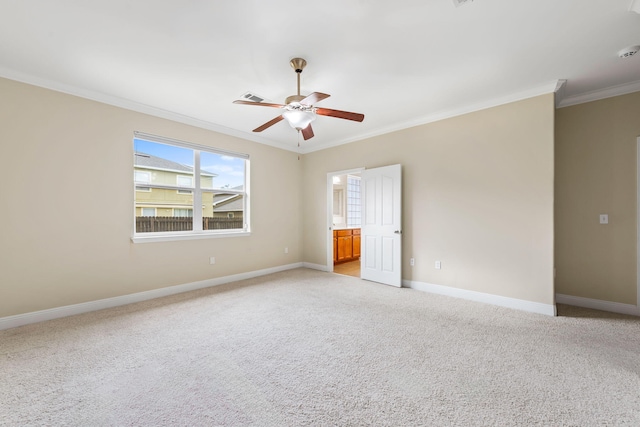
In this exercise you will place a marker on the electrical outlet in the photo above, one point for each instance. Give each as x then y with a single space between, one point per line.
286 250
438 265
412 262
212 260
604 219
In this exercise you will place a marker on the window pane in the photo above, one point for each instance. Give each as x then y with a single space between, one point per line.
160 164
162 209
222 211
219 171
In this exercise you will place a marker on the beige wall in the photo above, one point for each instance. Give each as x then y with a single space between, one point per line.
596 174
477 196
59 248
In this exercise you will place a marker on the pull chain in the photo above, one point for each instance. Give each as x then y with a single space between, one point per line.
298 137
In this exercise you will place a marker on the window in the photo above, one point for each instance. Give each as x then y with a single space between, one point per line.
183 213
354 210
142 176
185 190
184 181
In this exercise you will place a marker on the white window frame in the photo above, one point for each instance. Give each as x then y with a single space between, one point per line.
155 211
197 232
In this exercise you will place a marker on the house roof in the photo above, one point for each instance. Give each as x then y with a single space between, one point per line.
148 161
152 162
227 203
401 63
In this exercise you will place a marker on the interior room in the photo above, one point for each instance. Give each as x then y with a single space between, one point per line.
329 213
346 206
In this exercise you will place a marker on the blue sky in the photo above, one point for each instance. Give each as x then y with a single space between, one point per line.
230 170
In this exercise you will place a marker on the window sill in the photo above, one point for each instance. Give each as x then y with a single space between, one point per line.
170 237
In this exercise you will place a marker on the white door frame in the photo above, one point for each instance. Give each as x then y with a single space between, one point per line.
329 228
638 221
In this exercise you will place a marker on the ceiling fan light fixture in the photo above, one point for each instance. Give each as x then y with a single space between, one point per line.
299 119
299 110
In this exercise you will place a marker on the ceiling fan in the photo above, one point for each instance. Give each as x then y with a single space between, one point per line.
299 110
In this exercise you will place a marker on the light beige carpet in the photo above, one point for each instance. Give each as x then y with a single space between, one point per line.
305 348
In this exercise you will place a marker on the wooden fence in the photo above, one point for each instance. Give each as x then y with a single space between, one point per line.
152 224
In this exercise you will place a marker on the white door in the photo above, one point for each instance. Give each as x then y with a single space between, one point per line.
381 225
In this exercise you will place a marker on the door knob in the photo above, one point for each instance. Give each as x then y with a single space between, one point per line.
398 232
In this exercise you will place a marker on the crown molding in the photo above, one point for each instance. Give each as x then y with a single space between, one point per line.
134 106
543 89
596 95
556 86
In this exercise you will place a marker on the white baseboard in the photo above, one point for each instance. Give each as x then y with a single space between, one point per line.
518 304
596 304
70 310
315 266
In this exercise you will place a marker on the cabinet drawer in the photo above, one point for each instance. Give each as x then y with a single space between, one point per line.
356 231
342 233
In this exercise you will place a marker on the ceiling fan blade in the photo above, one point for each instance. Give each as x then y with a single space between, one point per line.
261 104
268 124
307 133
314 97
356 117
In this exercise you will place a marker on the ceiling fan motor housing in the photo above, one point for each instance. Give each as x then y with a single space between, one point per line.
298 64
294 98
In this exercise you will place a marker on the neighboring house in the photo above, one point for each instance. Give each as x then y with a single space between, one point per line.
151 172
228 205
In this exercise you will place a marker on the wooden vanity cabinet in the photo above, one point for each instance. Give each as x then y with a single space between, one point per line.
356 243
346 245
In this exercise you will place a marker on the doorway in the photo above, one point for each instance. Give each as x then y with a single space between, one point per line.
378 224
343 217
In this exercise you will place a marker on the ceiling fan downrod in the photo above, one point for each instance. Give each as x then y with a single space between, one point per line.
298 65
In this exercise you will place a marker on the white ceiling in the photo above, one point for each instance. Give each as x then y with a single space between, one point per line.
400 63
